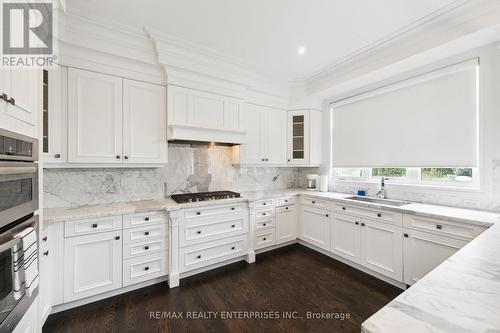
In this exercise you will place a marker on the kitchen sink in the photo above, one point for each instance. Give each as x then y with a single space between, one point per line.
387 202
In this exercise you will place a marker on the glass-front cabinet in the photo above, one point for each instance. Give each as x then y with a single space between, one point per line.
304 137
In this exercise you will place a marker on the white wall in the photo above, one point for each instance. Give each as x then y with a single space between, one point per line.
488 196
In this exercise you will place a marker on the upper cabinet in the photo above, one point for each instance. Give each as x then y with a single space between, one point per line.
304 138
201 116
19 99
265 142
110 120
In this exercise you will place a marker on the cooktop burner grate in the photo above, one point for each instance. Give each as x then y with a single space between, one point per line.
204 196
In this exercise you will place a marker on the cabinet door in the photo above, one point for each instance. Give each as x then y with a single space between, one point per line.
424 251
252 151
315 227
276 125
298 137
24 88
144 122
382 248
55 105
344 237
28 323
94 117
92 264
286 224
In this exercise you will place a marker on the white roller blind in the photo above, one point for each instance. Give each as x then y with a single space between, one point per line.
427 121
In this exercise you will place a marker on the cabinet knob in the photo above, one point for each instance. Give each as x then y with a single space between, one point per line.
264 224
198 213
146 233
233 248
233 226
326 215
356 223
146 268
232 208
379 215
11 101
94 225
362 224
57 155
199 257
267 159
264 204
46 253
439 226
286 208
118 157
264 238
198 232
117 237
125 157
146 247
146 218
406 235
263 160
289 160
263 214
44 238
4 97
313 202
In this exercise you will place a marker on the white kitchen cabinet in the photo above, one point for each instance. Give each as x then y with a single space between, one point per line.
382 248
202 116
304 137
55 106
266 136
345 237
286 224
424 251
94 117
144 122
28 323
92 264
315 227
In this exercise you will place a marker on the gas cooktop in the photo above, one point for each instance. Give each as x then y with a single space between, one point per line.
204 196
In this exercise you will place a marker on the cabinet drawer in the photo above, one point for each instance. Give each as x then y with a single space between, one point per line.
264 203
206 229
265 238
143 233
442 227
264 224
285 201
264 214
206 254
141 219
215 210
140 248
313 202
144 268
92 226
392 217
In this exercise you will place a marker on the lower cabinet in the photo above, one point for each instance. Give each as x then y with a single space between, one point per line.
424 251
144 268
315 227
344 237
92 264
382 248
286 224
28 324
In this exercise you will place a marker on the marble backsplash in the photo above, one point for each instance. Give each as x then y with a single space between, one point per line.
190 169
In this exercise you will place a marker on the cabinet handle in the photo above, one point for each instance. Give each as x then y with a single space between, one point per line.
233 226
362 224
11 101
406 235
264 204
439 226
233 248
263 160
232 208
379 215
57 155
4 97
264 224
326 215
313 202
198 257
125 157
356 223
146 218
146 268
146 247
146 233
94 225
198 213
286 208
286 200
343 208
267 159
289 160
264 238
117 237
198 232
44 238
46 253
263 214
118 157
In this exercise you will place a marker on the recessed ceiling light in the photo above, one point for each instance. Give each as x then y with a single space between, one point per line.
301 50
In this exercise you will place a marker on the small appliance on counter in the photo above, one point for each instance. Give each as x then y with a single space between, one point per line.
323 183
312 182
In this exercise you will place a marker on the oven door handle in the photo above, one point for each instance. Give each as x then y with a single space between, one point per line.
8 245
17 170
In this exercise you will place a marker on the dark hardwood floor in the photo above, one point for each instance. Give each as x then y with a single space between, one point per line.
293 279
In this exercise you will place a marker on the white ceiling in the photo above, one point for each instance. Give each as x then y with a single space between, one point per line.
266 34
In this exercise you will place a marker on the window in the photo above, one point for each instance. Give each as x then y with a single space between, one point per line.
449 177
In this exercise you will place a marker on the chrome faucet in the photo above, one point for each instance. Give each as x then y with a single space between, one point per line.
381 192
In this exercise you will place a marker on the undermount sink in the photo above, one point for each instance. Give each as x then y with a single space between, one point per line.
387 202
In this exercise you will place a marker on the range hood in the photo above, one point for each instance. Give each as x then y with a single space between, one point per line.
186 133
